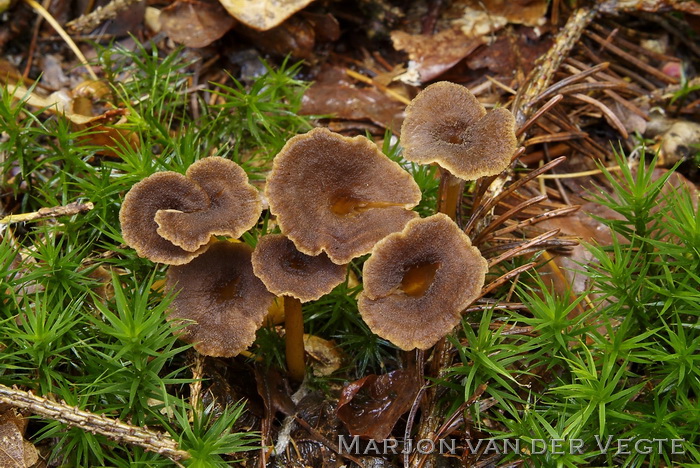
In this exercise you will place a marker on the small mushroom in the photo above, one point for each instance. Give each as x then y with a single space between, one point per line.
338 195
417 282
288 272
299 278
446 124
162 190
220 294
234 206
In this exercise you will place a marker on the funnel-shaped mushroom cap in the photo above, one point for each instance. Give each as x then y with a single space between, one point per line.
234 206
339 195
162 190
288 272
220 293
445 124
417 282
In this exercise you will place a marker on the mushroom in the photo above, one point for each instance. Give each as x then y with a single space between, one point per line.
446 124
234 206
298 278
338 195
220 294
417 282
162 190
169 217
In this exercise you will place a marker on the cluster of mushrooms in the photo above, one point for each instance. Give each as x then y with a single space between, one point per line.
334 199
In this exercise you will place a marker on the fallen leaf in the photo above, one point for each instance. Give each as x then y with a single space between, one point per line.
430 56
195 23
15 452
275 392
370 407
105 132
527 12
104 289
325 356
263 14
295 37
326 27
348 102
333 95
507 55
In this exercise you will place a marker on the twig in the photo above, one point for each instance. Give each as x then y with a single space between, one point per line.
32 43
554 137
614 121
93 19
534 220
631 59
61 32
409 422
535 241
507 215
95 423
505 277
574 175
389 92
571 80
493 201
542 110
323 440
542 74
53 212
451 421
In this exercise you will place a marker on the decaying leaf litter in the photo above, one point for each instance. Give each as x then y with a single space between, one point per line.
583 82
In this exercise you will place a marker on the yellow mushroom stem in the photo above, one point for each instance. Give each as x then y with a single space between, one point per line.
449 193
294 335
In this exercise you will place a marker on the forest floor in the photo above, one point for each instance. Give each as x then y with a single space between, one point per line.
582 348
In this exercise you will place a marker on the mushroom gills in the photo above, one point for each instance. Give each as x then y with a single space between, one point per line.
348 205
418 278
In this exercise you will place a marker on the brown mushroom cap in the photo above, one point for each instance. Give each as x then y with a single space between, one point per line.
162 190
288 272
445 124
417 282
234 206
220 293
339 195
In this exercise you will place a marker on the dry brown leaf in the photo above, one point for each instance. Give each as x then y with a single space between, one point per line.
333 94
15 452
507 55
295 37
484 16
433 55
263 14
195 23
104 289
325 356
370 407
104 132
347 102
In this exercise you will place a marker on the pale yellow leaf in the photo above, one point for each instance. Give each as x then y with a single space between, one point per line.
263 14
